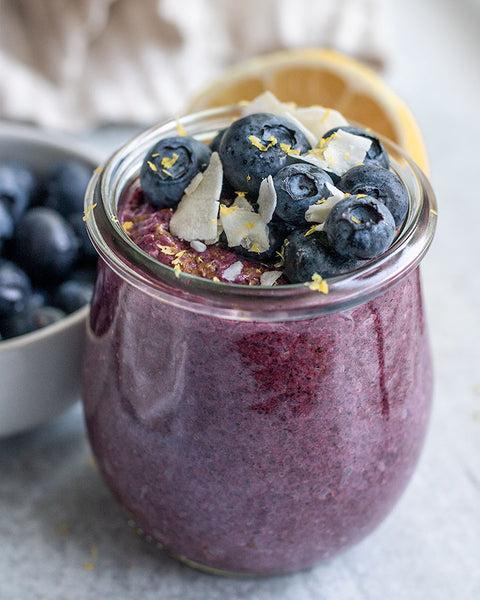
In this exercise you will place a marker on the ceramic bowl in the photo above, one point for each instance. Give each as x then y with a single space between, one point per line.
40 371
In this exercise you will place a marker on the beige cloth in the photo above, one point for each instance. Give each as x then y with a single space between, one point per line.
73 64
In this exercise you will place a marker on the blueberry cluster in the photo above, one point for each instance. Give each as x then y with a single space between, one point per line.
361 207
47 262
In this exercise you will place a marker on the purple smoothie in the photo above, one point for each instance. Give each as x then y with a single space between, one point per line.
256 447
252 445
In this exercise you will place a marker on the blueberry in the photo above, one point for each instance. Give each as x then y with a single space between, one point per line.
45 245
87 250
15 289
215 143
379 183
6 221
63 189
29 320
46 315
256 146
17 184
360 227
72 295
376 153
170 166
309 254
298 186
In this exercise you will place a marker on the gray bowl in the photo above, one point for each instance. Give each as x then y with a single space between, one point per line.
40 371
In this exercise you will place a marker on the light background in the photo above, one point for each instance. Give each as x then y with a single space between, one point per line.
63 537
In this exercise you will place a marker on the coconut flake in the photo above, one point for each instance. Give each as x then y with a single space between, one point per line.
319 119
266 103
311 137
198 246
267 199
233 271
243 226
268 278
343 150
196 216
318 212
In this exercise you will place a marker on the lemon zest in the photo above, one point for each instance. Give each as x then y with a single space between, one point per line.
287 148
168 162
318 284
180 128
257 142
127 225
312 229
167 249
325 115
87 212
152 166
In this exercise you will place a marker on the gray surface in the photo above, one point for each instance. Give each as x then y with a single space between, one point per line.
64 537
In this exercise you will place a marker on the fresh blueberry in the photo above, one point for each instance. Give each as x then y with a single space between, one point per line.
13 275
6 221
376 153
87 250
63 189
170 166
15 289
215 143
31 319
85 274
17 184
306 255
360 227
298 186
256 146
46 315
378 183
45 245
72 295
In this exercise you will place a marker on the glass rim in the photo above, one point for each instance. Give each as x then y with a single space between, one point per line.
237 301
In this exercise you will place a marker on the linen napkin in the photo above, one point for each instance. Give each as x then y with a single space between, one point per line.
77 64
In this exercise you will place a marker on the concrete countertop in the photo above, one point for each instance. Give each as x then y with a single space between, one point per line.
64 537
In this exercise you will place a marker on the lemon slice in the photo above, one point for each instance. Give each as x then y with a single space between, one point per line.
320 77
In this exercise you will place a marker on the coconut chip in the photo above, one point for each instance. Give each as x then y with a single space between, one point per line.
233 271
196 216
318 212
268 278
319 119
198 246
267 199
344 150
243 226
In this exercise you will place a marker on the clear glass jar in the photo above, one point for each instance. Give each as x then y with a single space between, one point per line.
254 430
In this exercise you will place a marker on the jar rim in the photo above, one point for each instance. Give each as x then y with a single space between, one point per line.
237 301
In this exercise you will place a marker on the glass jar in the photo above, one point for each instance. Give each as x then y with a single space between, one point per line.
247 429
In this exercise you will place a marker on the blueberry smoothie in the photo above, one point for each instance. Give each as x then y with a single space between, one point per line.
257 381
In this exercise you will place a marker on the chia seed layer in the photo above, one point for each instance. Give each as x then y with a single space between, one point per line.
148 227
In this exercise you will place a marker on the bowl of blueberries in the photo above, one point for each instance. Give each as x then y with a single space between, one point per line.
47 271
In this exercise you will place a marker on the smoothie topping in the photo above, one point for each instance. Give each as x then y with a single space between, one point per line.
282 195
